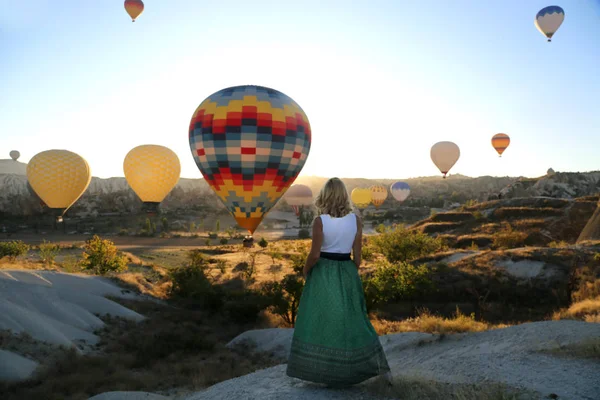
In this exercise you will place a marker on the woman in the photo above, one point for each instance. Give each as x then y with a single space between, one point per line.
334 342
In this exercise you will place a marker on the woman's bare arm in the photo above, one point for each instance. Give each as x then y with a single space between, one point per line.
317 242
357 246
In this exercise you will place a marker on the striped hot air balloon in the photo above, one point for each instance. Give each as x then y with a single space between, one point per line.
500 142
400 191
378 195
250 143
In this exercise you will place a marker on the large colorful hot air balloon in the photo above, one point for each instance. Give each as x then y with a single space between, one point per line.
299 196
250 143
134 8
444 155
361 197
400 191
152 171
378 195
500 142
59 178
14 154
548 20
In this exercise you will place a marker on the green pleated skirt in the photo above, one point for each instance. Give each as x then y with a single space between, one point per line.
334 342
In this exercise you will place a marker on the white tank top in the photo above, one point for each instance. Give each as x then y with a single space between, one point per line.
338 233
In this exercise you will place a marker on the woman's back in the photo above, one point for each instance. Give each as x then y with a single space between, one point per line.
338 233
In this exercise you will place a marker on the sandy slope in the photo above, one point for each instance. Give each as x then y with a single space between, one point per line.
54 307
510 356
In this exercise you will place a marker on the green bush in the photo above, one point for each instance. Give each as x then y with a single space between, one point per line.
197 259
263 243
396 282
508 238
165 224
284 297
367 253
243 307
303 234
13 249
48 252
123 232
223 241
213 235
191 283
401 244
221 266
101 256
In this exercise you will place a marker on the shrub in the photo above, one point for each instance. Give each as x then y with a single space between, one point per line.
396 281
101 256
298 262
165 224
218 225
509 238
263 243
275 255
224 241
191 283
367 253
13 249
197 259
248 273
284 297
48 252
192 227
303 234
213 235
401 244
207 242
123 232
555 244
243 307
221 265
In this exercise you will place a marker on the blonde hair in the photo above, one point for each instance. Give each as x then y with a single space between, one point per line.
333 199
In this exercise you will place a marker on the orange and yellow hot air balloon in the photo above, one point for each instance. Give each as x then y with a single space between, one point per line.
152 171
59 178
378 195
500 141
134 8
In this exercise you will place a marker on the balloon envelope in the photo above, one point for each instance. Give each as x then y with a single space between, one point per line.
58 177
15 155
378 195
299 196
444 155
500 142
400 190
549 19
134 8
250 143
361 197
152 171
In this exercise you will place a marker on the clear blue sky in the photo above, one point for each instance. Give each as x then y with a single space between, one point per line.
381 81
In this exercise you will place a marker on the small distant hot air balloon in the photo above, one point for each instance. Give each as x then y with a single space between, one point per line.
378 195
444 155
400 191
15 155
152 171
59 178
548 20
134 8
250 143
299 196
361 197
500 142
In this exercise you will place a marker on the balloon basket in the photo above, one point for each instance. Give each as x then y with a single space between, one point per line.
248 242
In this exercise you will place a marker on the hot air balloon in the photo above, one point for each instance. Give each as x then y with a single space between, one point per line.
15 155
299 196
500 142
378 195
134 8
361 197
59 178
400 191
152 171
250 143
548 20
444 155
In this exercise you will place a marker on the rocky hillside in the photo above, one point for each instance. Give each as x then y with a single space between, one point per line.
566 185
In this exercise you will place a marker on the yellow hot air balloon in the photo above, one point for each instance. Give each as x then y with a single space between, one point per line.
500 142
378 195
59 178
152 171
444 155
361 197
134 8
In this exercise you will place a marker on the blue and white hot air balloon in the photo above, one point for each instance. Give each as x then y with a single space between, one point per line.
400 190
549 19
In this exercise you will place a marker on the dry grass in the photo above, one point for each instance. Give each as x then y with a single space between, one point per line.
589 349
417 388
437 227
586 310
428 323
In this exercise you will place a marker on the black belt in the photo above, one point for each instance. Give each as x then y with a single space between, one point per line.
336 256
